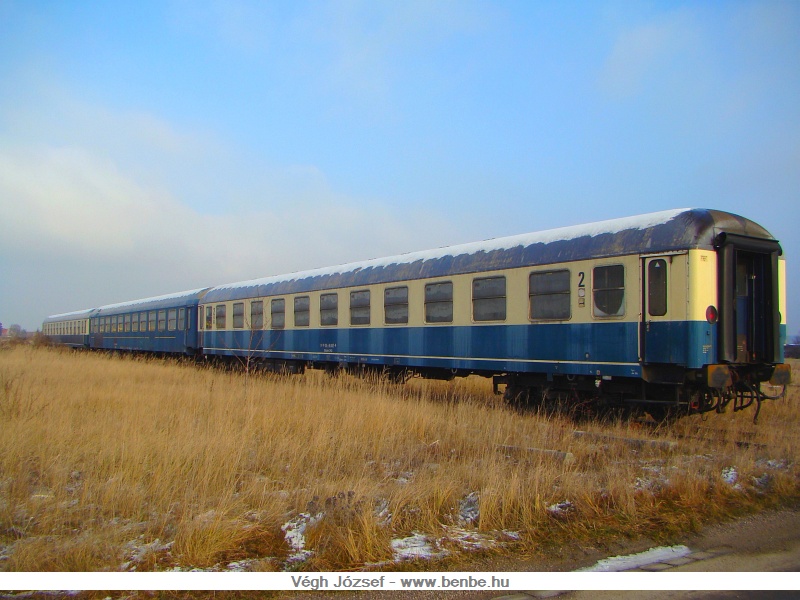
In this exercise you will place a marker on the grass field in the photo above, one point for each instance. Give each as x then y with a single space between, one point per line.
121 463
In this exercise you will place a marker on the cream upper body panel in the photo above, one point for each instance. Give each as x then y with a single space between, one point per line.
518 297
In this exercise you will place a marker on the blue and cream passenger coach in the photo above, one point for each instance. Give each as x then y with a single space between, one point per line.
677 308
163 324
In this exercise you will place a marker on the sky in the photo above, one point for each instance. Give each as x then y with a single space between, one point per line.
151 147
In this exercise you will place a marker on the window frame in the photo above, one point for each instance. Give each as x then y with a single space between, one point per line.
489 298
277 322
329 309
360 307
597 312
663 302
304 312
567 293
257 323
238 315
395 304
435 302
220 315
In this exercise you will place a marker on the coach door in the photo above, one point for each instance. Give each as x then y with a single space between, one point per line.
748 299
657 343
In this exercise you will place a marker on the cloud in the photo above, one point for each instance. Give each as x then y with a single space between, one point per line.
641 52
372 45
350 51
93 213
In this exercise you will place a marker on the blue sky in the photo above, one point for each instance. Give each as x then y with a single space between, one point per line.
151 147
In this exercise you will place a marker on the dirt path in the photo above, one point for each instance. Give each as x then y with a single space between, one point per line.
761 543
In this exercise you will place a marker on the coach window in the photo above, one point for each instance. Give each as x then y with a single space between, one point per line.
238 315
209 318
135 322
395 305
489 299
181 319
162 320
608 290
329 309
278 313
359 307
172 319
114 324
657 287
439 302
550 295
220 316
151 320
257 314
302 311
127 323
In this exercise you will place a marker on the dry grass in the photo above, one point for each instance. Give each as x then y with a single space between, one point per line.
112 462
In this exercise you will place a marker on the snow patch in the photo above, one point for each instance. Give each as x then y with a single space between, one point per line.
415 547
470 541
294 532
730 476
561 509
469 509
382 512
137 550
242 566
634 561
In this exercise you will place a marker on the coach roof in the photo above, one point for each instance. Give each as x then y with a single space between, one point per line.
664 231
166 301
71 316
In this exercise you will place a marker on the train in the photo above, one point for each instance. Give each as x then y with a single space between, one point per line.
675 311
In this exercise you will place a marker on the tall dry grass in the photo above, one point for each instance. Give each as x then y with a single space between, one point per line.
112 462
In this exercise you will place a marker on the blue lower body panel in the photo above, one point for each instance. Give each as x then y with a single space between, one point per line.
689 344
173 342
75 341
582 349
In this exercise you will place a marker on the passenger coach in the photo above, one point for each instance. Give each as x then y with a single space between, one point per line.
677 308
166 324
69 329
682 308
